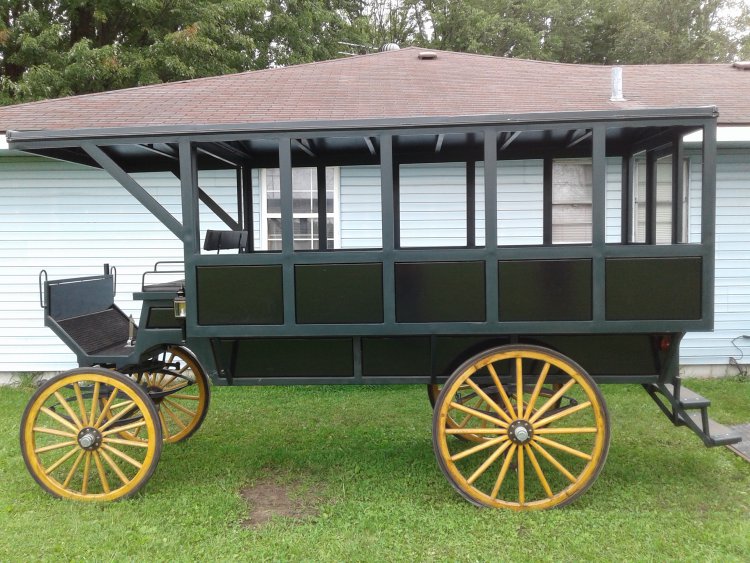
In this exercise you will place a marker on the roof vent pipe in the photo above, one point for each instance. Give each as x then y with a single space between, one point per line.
427 56
617 85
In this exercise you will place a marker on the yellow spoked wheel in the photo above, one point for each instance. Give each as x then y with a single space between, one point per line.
71 440
542 446
179 387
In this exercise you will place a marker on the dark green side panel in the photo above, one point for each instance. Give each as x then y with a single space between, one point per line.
440 292
396 356
339 293
653 288
229 295
608 354
285 357
545 290
162 317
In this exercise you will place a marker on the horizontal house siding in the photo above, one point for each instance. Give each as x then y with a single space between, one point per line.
69 220
732 293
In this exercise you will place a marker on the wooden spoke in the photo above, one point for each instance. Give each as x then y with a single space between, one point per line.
122 455
122 405
69 410
538 469
62 460
126 427
500 388
94 402
105 408
53 431
553 461
486 398
479 414
163 421
563 447
74 467
114 466
479 448
177 386
465 421
179 407
58 418
552 401
115 418
519 386
461 431
81 406
124 442
100 470
184 397
563 413
521 477
537 390
55 446
86 471
503 471
173 416
490 460
163 382
567 430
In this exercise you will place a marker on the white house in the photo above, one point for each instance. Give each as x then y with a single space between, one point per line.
70 219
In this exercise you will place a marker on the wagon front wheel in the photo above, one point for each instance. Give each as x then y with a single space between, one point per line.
71 441
541 449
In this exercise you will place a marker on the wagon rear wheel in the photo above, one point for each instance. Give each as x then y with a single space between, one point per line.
540 450
179 387
72 444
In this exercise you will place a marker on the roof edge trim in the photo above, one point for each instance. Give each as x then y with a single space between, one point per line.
342 125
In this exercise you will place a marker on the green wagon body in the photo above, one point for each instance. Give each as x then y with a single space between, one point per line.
409 315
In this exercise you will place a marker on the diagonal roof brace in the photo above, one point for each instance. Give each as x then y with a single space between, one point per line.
135 189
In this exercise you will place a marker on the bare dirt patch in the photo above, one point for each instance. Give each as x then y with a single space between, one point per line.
275 496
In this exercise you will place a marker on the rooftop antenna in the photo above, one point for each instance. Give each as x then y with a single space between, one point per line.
362 49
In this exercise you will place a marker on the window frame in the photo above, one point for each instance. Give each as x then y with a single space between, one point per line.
265 215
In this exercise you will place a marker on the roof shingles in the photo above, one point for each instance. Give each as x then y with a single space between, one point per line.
393 84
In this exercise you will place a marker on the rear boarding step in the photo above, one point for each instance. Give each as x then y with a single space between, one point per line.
687 408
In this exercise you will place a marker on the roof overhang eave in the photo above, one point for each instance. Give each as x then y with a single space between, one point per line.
31 139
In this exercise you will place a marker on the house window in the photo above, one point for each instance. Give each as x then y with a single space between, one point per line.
572 188
305 205
663 201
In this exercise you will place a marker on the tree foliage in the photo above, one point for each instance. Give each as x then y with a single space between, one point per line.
51 48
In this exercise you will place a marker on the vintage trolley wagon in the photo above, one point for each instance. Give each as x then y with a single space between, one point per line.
512 337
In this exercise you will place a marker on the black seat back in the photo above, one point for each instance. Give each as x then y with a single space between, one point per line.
225 240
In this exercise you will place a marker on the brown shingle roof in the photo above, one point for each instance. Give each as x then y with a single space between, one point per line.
390 85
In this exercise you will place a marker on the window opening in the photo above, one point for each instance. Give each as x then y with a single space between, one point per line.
572 189
305 206
663 200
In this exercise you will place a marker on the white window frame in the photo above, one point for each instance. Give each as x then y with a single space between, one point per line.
265 215
635 202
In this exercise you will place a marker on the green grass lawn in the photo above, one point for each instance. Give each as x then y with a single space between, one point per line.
365 455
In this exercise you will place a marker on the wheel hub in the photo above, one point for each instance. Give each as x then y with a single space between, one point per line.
520 432
89 438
